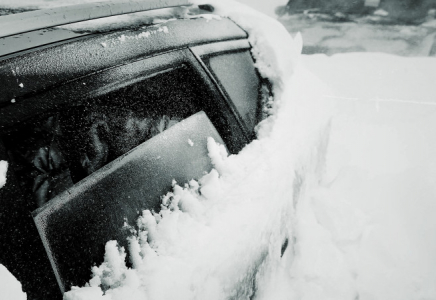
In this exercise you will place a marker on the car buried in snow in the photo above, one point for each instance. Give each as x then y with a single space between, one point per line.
96 124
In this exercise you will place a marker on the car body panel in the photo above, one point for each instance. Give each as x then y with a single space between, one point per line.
48 67
37 38
40 19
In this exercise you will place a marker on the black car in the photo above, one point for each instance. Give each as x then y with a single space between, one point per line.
96 124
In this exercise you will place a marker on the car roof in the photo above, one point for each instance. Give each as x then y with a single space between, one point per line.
40 59
44 67
31 29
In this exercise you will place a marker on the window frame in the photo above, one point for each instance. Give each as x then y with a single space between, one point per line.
97 84
94 84
101 82
219 48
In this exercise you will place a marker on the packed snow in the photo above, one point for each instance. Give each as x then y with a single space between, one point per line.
334 200
3 171
10 288
378 199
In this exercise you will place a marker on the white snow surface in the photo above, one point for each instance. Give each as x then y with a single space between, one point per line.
377 202
10 288
3 171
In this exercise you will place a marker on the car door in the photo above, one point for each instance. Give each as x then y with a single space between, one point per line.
57 167
231 67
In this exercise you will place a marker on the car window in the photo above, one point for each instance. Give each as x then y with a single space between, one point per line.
55 150
97 208
237 75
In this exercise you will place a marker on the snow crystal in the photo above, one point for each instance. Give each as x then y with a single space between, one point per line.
12 100
3 171
191 143
21 85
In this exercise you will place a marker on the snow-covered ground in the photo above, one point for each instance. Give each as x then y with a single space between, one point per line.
377 201
335 200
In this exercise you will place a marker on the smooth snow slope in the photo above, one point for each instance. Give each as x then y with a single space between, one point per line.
378 200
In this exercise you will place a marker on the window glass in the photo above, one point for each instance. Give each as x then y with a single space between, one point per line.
55 150
238 77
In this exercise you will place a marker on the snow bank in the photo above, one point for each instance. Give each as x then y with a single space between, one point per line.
366 230
217 238
3 171
10 288
378 199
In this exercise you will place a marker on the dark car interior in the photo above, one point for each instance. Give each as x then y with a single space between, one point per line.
56 151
